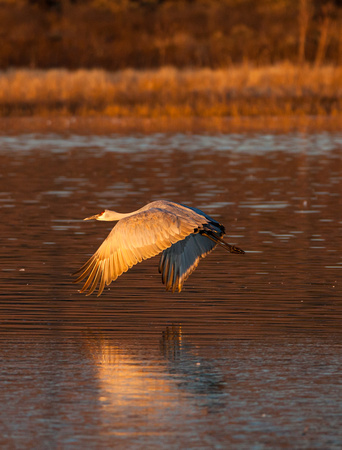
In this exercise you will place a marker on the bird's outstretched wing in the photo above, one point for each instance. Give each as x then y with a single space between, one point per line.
179 261
132 240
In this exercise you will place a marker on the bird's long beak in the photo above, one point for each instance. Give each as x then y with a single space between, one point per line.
92 217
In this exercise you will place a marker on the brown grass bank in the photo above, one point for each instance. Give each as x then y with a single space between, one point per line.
280 90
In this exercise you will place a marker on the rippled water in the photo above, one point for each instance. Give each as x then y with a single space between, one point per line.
248 355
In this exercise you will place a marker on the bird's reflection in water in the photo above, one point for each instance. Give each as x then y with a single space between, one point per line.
150 382
193 373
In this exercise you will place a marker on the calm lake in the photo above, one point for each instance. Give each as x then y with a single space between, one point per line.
248 355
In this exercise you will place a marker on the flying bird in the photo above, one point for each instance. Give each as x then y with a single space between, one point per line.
183 234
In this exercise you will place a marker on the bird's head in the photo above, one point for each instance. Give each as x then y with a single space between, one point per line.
101 216
107 215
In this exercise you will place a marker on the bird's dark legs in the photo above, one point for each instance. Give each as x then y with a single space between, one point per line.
218 240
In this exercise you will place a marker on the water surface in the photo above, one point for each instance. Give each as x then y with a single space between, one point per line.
248 355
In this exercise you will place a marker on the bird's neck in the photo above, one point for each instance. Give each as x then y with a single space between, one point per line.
113 215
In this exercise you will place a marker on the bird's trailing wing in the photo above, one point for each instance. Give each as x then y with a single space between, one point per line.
179 261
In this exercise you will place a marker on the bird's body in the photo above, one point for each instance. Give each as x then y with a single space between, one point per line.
183 234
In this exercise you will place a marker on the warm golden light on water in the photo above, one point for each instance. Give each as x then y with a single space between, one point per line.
249 352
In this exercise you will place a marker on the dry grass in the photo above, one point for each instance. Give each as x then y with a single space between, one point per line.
280 90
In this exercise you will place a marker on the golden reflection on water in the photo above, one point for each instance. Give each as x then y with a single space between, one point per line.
149 387
125 378
226 393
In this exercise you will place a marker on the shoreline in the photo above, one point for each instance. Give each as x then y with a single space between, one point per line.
102 125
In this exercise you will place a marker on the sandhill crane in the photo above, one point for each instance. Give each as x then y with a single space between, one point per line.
184 235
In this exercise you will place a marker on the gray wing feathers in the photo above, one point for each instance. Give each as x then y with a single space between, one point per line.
179 261
132 240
